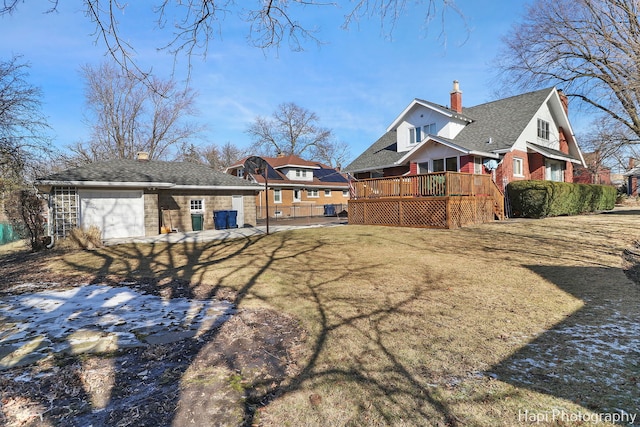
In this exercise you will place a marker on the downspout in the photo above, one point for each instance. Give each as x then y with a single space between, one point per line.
50 225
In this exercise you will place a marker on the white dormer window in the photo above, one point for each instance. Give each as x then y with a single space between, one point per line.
298 173
429 129
418 133
543 129
415 135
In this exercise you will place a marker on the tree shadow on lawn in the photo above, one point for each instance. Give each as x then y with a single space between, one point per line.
591 358
219 377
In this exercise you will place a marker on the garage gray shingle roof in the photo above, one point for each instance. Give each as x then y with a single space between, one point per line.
145 172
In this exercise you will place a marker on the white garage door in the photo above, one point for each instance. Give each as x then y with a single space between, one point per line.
118 213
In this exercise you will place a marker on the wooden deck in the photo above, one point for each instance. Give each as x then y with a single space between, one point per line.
435 200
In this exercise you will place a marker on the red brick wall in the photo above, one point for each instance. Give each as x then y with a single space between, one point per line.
632 183
466 164
564 147
413 168
536 166
585 176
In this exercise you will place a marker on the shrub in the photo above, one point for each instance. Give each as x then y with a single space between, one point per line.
539 199
79 238
25 210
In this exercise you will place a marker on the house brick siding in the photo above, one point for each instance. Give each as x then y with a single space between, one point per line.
537 166
466 164
632 186
504 172
177 212
151 213
564 147
413 168
583 175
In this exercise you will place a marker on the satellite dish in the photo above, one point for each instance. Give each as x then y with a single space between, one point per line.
490 164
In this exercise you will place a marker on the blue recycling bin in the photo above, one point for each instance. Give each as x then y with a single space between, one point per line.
232 219
220 219
329 210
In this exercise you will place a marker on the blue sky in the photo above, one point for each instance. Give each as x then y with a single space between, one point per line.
357 81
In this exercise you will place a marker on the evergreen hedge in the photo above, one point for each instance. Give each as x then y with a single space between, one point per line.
539 199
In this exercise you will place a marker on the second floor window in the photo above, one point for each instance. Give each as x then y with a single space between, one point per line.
543 129
415 135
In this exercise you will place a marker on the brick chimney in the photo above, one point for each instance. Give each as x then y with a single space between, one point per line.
564 100
456 98
632 163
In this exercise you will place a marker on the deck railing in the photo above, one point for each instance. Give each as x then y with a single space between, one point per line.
425 185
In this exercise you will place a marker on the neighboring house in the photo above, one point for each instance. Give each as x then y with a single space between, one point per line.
594 172
522 137
631 177
130 198
296 187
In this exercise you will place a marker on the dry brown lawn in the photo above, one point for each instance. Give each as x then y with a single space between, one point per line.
484 325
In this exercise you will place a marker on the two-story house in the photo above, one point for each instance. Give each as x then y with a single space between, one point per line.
296 187
521 137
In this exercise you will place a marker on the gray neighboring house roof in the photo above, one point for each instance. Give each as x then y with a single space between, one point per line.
148 173
503 121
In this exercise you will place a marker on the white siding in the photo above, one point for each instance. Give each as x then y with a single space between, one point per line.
530 133
422 116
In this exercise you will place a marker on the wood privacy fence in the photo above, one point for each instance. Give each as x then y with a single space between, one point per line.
436 200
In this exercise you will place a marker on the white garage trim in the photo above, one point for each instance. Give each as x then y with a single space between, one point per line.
118 213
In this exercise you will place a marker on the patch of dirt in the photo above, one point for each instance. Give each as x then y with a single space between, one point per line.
226 374
23 267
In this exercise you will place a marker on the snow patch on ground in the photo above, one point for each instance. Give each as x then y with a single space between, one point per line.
94 318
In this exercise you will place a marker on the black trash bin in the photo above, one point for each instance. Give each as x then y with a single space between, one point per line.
220 219
232 219
196 222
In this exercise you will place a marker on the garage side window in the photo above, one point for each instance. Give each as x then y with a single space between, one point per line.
196 205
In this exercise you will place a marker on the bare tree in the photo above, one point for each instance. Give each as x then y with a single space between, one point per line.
590 47
129 116
190 153
270 23
221 157
605 146
23 128
334 153
292 129
218 157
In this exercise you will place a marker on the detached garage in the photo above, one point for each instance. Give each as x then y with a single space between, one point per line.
133 198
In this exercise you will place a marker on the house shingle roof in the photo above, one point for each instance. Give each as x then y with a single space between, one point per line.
503 121
146 172
382 153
